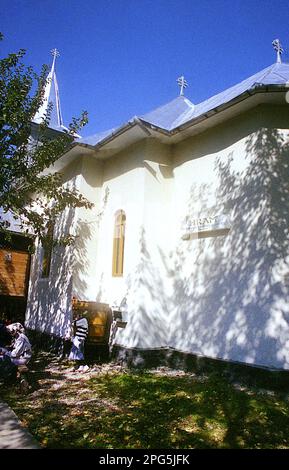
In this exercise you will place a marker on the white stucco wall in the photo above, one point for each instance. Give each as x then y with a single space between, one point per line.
135 181
224 296
86 230
228 302
146 284
49 299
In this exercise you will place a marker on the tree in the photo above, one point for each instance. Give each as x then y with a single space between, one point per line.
33 194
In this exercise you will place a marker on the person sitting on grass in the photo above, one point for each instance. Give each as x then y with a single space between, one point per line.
16 326
20 352
80 327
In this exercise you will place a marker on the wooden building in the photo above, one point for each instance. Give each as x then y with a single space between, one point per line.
14 276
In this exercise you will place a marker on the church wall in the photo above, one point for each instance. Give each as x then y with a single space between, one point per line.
231 291
148 285
86 229
122 190
49 299
136 181
225 294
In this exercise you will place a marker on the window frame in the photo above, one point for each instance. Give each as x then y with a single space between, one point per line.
118 243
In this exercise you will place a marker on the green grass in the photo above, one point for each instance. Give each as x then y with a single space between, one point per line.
123 409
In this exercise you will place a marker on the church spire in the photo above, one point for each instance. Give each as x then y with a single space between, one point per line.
51 96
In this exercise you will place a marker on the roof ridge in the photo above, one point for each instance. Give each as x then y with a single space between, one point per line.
268 71
184 116
178 98
281 76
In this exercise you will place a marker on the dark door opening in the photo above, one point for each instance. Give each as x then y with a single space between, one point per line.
12 309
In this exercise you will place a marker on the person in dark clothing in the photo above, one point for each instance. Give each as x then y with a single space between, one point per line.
5 335
8 370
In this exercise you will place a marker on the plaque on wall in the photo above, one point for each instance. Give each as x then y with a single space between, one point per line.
202 227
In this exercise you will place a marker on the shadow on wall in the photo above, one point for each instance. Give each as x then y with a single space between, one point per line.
49 304
230 295
146 302
80 260
234 303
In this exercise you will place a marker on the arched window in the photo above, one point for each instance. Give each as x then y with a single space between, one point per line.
47 246
118 243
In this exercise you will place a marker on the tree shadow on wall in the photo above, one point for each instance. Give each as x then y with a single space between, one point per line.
146 302
50 307
234 303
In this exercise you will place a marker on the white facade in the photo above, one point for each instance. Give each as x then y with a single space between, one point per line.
220 291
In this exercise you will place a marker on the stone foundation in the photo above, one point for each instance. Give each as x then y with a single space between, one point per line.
233 371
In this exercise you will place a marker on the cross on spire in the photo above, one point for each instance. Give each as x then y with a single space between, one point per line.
278 48
55 53
182 82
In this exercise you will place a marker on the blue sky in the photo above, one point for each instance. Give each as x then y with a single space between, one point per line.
121 58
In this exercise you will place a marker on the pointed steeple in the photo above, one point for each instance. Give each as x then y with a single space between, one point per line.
51 96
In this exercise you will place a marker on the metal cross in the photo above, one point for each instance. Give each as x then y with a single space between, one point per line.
55 53
278 48
182 82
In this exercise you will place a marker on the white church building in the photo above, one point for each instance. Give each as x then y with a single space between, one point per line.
188 235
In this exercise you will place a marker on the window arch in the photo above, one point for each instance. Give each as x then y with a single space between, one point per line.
118 243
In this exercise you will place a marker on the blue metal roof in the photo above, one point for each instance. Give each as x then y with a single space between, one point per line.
181 110
95 138
172 115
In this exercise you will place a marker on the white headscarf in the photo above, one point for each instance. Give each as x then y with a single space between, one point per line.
16 327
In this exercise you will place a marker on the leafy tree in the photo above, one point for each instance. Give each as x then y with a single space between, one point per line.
32 193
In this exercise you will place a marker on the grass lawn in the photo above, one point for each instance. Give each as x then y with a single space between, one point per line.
116 408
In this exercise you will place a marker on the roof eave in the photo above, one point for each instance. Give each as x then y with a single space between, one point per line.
80 144
121 130
155 128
